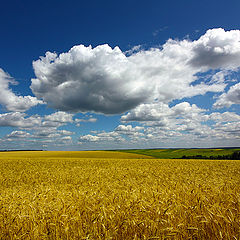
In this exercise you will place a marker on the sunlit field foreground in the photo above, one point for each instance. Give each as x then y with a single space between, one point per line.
110 195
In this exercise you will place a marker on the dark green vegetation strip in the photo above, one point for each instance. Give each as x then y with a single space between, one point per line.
179 153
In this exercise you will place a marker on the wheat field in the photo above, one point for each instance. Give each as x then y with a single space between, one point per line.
110 195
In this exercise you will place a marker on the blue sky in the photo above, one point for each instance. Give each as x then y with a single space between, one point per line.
130 74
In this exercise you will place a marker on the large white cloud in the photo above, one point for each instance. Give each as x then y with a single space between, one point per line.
11 101
86 79
105 80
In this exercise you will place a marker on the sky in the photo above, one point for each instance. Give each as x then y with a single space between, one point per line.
82 75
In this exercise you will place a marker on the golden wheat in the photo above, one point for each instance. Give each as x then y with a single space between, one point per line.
105 195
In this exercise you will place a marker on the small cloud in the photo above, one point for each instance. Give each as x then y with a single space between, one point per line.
17 119
156 32
11 101
229 98
133 50
17 134
59 117
88 138
91 120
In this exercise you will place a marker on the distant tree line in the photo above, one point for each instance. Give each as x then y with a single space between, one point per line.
22 150
233 156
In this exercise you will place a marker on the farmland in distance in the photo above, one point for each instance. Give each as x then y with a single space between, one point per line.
180 152
117 195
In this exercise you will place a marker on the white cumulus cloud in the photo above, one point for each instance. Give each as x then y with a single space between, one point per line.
217 49
9 100
17 119
17 134
89 138
229 98
106 80
86 79
57 119
161 112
